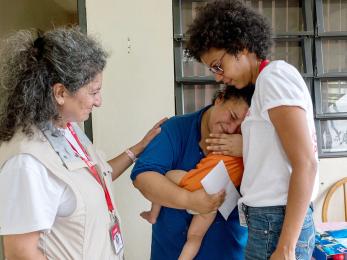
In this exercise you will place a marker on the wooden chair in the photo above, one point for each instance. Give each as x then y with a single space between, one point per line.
338 184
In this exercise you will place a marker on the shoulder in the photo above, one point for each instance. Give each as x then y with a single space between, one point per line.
36 192
279 70
27 170
23 161
280 76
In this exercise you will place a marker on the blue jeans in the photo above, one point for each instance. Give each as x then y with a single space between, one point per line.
264 229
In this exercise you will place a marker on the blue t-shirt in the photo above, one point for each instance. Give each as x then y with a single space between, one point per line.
177 148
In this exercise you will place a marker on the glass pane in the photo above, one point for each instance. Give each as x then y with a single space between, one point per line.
334 136
334 55
335 15
196 97
290 51
334 96
284 15
193 68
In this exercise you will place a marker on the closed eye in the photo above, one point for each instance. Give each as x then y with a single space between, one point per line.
233 115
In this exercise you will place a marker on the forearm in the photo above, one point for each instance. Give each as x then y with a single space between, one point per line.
33 255
160 190
23 247
122 162
299 196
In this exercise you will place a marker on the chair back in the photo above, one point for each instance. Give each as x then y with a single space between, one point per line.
341 183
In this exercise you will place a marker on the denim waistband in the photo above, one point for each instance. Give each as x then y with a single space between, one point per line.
270 209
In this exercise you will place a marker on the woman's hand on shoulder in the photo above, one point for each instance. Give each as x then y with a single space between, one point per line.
202 202
153 132
226 144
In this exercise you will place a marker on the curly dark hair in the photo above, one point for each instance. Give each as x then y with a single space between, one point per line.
29 68
229 25
228 92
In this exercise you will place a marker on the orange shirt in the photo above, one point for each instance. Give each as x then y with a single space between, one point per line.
192 180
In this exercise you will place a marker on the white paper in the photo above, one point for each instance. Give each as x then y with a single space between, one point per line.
215 181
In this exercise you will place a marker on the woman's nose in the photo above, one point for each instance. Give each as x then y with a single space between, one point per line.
98 101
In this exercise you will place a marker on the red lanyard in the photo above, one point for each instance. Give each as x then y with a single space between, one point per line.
91 168
263 64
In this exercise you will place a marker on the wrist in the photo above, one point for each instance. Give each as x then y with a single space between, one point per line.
132 156
286 247
137 149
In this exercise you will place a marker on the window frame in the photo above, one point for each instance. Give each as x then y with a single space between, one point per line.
320 75
311 42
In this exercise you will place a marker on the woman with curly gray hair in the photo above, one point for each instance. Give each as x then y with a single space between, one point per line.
55 188
279 139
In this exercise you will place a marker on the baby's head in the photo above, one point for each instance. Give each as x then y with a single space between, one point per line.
230 106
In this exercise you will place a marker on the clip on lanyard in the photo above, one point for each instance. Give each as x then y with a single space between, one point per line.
92 170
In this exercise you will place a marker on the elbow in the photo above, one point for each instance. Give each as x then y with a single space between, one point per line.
309 166
312 167
140 184
137 183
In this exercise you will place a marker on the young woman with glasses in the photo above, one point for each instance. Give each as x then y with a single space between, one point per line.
279 140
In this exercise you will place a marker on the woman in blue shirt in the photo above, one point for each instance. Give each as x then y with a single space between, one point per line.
181 145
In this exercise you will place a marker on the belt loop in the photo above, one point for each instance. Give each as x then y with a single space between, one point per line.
311 206
245 209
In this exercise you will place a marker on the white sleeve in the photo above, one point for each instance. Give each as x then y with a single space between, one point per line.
29 196
282 85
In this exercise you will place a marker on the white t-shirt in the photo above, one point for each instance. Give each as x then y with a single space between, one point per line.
267 169
31 196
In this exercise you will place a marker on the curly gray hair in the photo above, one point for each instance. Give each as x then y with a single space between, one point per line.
29 68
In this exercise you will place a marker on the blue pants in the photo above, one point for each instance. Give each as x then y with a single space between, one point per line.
264 229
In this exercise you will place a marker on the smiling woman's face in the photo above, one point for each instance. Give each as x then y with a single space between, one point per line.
78 106
226 117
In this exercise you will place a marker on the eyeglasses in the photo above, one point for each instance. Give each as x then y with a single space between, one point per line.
217 69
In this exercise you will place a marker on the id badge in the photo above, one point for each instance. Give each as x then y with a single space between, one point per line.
116 238
242 216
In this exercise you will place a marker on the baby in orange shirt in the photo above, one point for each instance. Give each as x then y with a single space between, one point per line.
191 181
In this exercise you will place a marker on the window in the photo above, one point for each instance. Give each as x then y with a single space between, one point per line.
311 35
330 82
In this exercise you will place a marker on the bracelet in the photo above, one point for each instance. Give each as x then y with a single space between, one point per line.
131 155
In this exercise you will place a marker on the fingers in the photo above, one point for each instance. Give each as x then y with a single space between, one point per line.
153 133
161 121
218 135
222 136
217 148
218 153
218 199
216 141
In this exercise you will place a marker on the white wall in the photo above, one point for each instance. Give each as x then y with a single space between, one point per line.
138 90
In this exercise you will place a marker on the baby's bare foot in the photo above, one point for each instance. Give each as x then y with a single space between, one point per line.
147 215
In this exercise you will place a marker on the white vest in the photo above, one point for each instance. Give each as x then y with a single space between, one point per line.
85 233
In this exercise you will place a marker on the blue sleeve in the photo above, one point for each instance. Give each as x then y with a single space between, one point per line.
159 156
